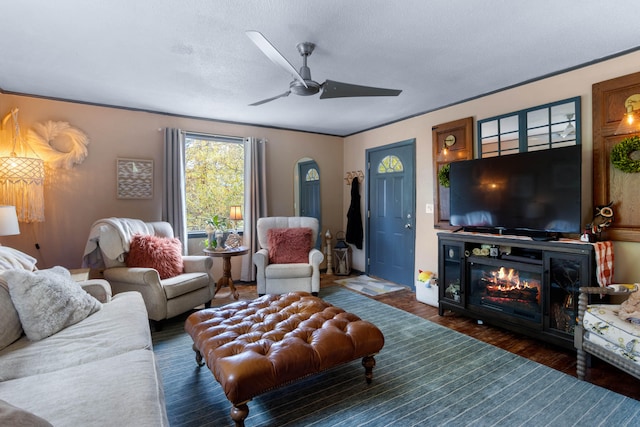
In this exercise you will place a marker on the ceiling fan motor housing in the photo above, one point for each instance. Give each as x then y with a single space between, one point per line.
305 49
299 89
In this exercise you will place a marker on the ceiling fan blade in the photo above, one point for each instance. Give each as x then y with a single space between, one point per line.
272 53
333 89
264 101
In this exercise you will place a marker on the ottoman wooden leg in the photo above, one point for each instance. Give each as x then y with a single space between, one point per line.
239 413
368 362
198 356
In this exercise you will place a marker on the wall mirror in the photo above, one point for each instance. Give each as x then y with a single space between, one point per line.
306 179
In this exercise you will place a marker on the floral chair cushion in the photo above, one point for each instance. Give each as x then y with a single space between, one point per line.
605 328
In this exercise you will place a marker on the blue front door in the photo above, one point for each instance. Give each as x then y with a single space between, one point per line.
391 205
309 175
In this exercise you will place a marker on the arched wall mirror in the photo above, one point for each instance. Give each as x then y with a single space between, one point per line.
306 178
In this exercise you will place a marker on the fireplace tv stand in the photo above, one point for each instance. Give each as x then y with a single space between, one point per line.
515 282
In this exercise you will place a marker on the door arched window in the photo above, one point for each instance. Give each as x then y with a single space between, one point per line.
312 175
390 164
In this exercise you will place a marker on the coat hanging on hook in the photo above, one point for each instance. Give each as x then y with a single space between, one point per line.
354 216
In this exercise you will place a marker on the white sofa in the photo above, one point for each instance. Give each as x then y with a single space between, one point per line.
100 371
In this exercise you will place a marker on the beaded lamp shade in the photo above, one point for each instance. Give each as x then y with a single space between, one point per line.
22 178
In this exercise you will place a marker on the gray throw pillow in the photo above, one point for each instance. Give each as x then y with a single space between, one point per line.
10 327
48 301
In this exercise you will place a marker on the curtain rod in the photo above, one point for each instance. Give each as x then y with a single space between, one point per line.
213 136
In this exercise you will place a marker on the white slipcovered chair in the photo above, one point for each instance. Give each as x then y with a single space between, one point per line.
606 330
106 250
282 278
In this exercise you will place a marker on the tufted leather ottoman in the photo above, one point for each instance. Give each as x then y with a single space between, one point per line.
255 346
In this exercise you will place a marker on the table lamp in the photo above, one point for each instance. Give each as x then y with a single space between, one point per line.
235 215
8 221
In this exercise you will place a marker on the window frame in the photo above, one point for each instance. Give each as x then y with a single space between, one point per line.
213 138
523 130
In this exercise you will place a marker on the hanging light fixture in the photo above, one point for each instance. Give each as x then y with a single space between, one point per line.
22 177
630 122
448 142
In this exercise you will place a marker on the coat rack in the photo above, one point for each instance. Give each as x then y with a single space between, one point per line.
348 178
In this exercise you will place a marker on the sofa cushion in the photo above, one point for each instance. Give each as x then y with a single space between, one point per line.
123 390
184 284
289 245
163 254
288 271
11 328
13 416
48 301
120 326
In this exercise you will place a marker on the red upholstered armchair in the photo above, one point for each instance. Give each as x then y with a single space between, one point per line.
287 260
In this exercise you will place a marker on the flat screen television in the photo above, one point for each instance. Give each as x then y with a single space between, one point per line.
537 192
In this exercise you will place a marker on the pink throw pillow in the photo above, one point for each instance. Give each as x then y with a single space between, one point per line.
161 253
289 245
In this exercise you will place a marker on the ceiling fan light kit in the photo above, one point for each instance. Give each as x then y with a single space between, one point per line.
303 84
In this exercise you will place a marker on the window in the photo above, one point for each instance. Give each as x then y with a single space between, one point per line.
390 164
312 175
214 178
546 126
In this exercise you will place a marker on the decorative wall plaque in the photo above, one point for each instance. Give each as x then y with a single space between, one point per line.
135 178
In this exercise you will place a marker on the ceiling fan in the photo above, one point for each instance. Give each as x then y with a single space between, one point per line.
302 83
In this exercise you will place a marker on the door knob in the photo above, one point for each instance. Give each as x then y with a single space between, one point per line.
407 226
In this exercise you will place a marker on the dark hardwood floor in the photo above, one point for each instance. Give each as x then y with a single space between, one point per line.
558 358
552 356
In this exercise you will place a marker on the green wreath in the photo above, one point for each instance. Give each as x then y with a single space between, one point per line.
443 175
620 155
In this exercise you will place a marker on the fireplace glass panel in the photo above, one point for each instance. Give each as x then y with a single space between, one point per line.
564 286
510 288
452 272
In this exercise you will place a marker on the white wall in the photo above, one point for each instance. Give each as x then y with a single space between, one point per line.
567 85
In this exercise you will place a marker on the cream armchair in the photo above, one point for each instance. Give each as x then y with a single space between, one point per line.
106 250
274 278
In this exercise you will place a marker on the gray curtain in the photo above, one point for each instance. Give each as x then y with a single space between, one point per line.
174 205
255 200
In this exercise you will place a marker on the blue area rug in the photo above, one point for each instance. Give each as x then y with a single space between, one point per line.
368 285
426 375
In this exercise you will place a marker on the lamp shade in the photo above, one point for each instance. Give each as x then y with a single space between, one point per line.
630 123
8 221
236 213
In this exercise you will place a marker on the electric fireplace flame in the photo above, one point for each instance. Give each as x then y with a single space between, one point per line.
506 283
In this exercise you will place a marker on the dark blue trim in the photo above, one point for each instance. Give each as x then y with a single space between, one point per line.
522 124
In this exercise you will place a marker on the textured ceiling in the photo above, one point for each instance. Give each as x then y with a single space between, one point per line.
192 57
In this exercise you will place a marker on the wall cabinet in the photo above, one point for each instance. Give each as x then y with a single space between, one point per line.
514 282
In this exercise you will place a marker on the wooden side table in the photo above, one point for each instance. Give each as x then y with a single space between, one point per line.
226 255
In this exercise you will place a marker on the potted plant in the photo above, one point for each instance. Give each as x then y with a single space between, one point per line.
217 227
